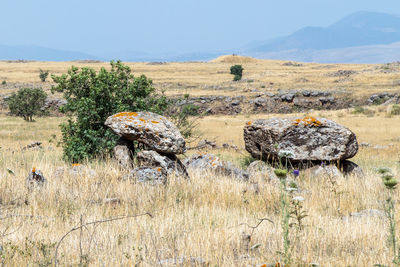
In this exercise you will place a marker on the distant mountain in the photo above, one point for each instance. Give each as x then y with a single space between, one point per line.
40 53
357 54
357 29
362 37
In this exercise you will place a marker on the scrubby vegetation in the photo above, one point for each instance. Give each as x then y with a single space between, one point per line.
92 97
27 102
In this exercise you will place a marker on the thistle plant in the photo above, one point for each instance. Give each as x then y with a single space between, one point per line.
282 175
390 182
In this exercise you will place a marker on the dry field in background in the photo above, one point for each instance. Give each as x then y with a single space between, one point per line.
204 218
214 78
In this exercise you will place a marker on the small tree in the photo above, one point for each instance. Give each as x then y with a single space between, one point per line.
43 74
27 102
92 97
237 71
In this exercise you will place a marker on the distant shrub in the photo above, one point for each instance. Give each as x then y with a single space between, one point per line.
92 97
250 81
27 102
3 82
237 71
364 111
395 110
43 75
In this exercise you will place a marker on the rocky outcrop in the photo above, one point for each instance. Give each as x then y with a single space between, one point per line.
166 164
207 162
153 130
299 139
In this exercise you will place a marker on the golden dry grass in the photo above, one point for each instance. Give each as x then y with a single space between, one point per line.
201 218
214 78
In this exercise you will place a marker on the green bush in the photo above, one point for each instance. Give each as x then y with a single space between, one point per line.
237 71
43 75
92 97
27 102
4 82
395 110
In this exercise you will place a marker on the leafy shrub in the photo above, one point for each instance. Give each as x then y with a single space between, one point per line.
237 71
4 82
27 102
92 97
43 75
395 110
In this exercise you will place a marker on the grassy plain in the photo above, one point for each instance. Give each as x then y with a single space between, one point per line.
203 219
213 78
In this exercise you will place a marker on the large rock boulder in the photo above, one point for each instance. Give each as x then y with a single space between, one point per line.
167 164
153 130
299 139
208 162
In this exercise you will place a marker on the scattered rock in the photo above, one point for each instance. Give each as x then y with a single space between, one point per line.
228 146
74 170
153 176
151 129
365 144
33 145
123 153
350 168
35 179
206 144
341 73
259 167
324 171
204 162
292 64
166 164
302 139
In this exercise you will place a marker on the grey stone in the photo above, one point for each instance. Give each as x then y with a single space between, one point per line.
123 153
153 176
166 164
153 130
208 162
35 179
300 138
350 168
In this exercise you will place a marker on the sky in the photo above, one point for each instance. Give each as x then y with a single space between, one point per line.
173 26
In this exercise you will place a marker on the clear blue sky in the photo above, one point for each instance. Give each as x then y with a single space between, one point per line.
167 25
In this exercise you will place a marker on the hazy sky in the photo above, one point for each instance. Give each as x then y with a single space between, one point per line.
94 26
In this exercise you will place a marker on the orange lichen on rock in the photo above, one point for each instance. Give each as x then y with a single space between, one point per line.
249 123
142 120
159 169
307 121
33 169
155 121
125 114
76 165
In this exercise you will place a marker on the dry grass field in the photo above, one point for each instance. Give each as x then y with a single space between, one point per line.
213 78
96 218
